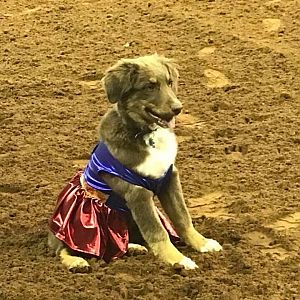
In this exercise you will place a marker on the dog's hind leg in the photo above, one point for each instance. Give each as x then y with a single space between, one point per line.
73 263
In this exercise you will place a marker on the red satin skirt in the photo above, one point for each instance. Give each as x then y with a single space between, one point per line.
87 225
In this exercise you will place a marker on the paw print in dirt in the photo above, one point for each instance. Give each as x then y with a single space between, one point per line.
242 149
224 133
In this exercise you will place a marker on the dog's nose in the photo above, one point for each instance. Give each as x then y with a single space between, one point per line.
176 109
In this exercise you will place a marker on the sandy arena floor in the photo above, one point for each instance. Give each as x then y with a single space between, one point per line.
239 142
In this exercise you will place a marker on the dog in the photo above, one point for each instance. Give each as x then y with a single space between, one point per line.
138 132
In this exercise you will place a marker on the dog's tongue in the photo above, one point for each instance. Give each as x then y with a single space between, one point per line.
171 124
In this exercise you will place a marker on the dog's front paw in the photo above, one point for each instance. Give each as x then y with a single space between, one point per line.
210 246
187 263
200 243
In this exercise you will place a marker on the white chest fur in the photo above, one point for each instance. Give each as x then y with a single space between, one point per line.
162 150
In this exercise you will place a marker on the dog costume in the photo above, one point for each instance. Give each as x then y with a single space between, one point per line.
98 225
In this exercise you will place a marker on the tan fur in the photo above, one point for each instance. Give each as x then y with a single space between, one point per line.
74 263
136 249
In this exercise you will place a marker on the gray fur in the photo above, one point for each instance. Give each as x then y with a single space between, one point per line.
137 87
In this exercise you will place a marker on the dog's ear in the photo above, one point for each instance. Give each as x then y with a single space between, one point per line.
119 80
172 68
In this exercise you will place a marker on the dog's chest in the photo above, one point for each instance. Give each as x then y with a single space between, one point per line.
162 150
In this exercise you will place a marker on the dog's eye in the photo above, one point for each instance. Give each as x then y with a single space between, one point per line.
150 86
170 82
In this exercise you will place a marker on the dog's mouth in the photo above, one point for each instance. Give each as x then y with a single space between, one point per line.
165 121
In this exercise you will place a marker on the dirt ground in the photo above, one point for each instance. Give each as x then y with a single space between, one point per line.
239 142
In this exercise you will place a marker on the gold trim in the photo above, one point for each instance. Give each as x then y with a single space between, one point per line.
91 192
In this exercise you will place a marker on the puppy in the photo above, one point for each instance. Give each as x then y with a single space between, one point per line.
133 162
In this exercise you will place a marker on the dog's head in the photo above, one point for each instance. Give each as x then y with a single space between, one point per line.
144 89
